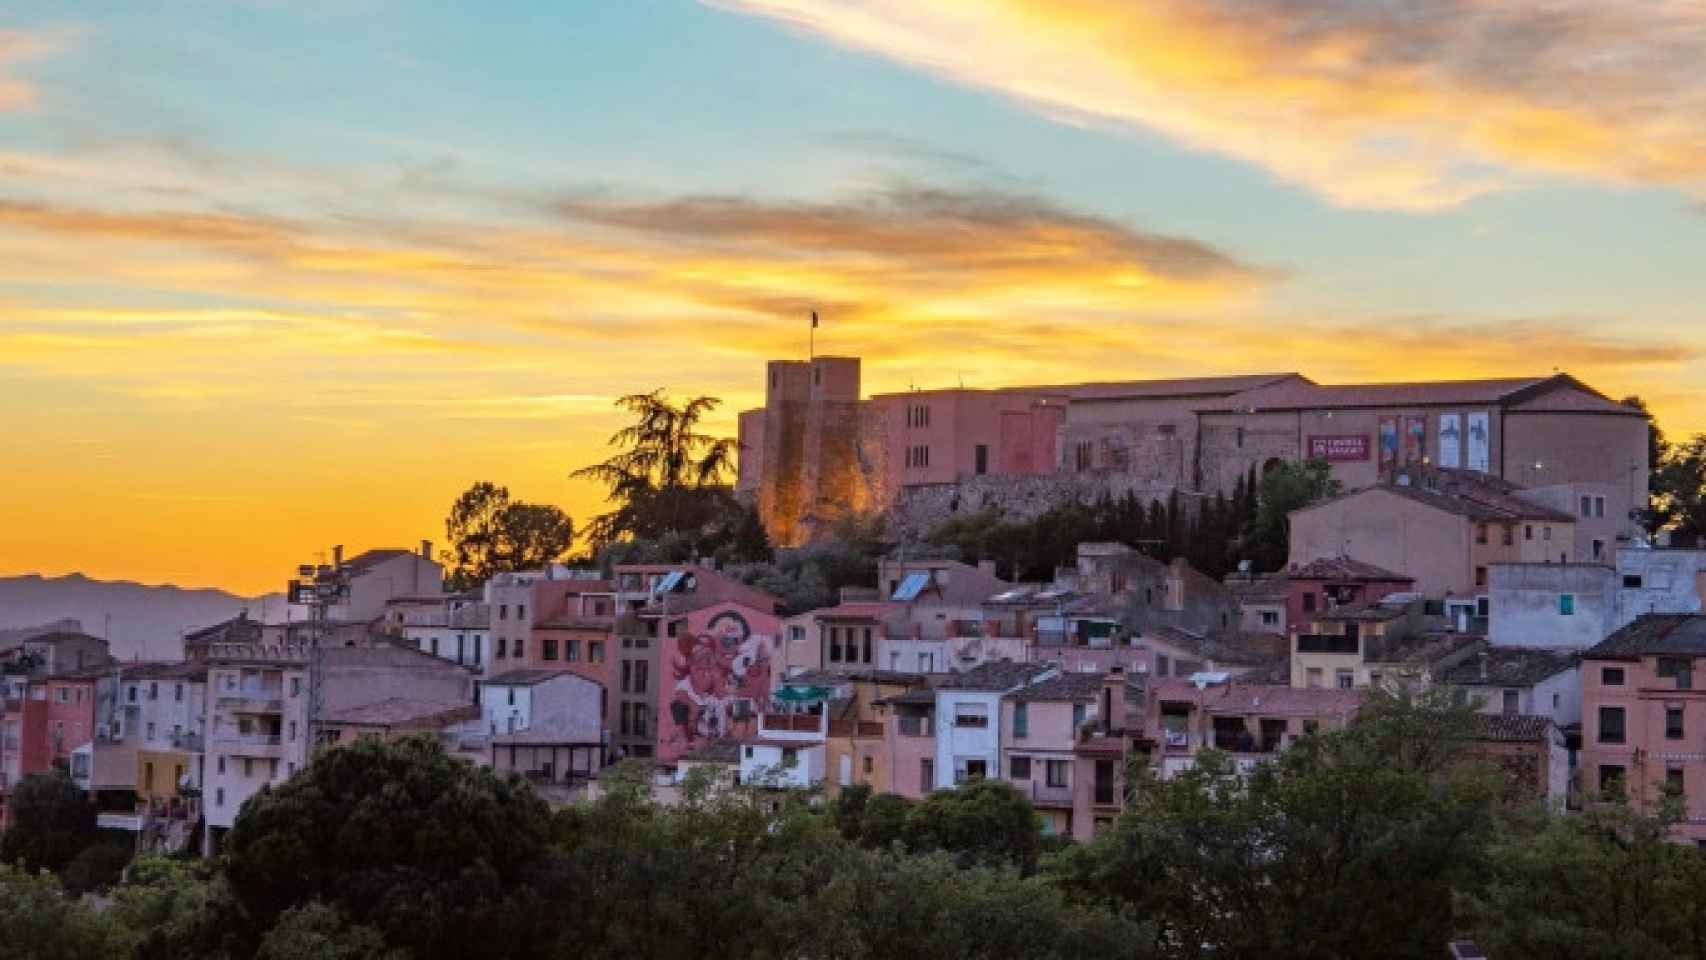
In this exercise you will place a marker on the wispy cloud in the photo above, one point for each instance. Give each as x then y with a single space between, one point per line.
1413 105
17 47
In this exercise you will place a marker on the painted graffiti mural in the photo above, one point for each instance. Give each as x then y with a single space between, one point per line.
720 673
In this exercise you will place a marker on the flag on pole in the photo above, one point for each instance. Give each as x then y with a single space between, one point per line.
814 319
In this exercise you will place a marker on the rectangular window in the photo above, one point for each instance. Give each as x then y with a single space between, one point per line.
1587 506
1480 576
1512 701
572 650
1481 533
641 719
642 671
595 651
521 611
503 647
503 611
1021 721
178 693
296 686
1545 533
926 774
1346 679
153 691
1077 718
1566 604
1270 618
1309 601
1674 783
517 653
1057 773
219 797
867 647
548 648
971 715
1610 724
1019 768
150 734
1313 677
248 767
222 766
626 720
1528 532
1673 723
1611 780
870 766
980 459
1680 669
293 731
1599 506
1611 677
1510 535
1161 664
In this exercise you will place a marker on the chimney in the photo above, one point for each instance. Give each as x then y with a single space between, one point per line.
338 555
426 549
1113 699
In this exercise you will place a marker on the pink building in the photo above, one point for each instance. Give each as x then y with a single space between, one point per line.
941 436
1321 585
717 677
1063 745
910 741
1643 715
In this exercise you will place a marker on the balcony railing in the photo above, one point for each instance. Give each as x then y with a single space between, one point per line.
1044 794
791 722
1327 643
253 739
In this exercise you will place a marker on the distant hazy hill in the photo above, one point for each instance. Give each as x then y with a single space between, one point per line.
146 621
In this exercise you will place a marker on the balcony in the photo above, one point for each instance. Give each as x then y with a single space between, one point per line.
266 746
1328 643
257 698
1045 795
187 742
792 726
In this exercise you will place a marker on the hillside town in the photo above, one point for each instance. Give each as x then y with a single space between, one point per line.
1481 537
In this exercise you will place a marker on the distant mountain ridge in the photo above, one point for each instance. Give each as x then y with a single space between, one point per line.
140 621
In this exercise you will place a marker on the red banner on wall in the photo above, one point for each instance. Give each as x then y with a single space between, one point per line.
1339 448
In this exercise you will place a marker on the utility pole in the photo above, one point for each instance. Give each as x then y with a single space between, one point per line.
320 587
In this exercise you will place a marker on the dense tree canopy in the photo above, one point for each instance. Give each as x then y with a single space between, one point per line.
490 533
52 823
431 851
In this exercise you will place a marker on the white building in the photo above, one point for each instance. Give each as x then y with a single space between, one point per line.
968 718
1658 580
456 628
1507 681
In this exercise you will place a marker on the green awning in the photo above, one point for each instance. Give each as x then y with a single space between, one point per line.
802 694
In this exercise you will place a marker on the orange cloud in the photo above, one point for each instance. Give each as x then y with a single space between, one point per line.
1416 105
309 365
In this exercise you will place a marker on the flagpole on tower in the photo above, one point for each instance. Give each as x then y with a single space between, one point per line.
811 339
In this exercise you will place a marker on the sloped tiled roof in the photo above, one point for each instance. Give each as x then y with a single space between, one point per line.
1261 699
714 751
1263 588
173 670
1510 667
1303 395
995 675
1513 727
1075 687
368 559
402 711
1655 633
1345 568
851 611
833 677
524 678
1422 648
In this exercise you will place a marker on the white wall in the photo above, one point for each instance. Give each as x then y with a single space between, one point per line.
761 764
1670 582
956 744
498 711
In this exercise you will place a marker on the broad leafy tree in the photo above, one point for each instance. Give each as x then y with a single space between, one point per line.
39 922
1347 845
982 822
431 851
52 822
490 533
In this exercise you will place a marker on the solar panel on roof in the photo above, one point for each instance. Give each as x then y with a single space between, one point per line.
912 586
670 581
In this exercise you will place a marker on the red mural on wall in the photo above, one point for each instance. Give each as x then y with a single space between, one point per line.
721 672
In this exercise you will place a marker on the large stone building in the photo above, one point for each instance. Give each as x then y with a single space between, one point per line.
817 450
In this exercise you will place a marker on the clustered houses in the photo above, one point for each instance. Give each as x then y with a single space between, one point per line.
1482 544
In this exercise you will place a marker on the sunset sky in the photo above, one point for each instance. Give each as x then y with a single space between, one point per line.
277 275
